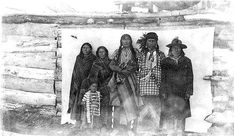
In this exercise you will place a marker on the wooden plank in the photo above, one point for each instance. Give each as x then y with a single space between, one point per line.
13 43
58 86
17 96
44 60
81 18
28 72
30 29
27 84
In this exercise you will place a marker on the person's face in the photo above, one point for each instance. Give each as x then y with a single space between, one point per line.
126 41
101 53
86 49
93 87
176 51
151 43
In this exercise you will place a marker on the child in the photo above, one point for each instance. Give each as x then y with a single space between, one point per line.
91 101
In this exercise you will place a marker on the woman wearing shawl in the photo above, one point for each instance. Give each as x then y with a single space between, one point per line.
101 72
176 87
81 70
124 66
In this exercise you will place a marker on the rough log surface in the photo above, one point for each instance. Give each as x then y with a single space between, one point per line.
43 60
27 84
28 72
18 96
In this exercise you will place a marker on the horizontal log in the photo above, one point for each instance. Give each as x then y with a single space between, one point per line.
169 25
221 98
220 44
14 43
28 72
10 106
218 118
226 34
219 106
30 29
8 133
58 86
27 84
215 78
38 99
81 18
117 26
44 60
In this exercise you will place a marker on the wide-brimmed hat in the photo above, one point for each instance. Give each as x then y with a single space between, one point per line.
177 42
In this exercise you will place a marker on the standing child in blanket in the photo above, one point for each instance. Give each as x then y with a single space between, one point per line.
91 101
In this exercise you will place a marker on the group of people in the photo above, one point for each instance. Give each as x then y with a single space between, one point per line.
134 85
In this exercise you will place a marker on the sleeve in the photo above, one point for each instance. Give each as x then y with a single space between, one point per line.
189 78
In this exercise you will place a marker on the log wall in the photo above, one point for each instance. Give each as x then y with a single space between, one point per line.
33 67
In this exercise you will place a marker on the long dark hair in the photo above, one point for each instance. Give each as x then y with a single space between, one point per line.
81 53
131 48
102 47
143 41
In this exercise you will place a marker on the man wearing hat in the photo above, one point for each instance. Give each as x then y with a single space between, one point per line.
176 87
149 80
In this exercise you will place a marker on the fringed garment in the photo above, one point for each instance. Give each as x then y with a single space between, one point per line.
92 105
